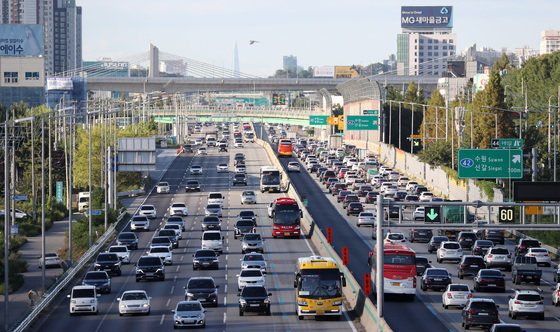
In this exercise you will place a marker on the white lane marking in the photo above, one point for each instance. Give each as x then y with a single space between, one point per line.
226 267
162 318
225 289
168 302
225 318
558 319
225 301
182 257
177 270
175 279
172 289
226 276
186 248
348 319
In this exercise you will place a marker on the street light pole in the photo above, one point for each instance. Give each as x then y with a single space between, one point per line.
6 225
43 244
89 119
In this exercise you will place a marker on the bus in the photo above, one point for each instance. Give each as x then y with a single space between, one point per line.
399 270
285 148
285 214
318 285
270 179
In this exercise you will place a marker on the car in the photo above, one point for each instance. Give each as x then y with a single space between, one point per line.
411 198
51 259
435 242
212 240
171 234
248 197
494 235
179 209
128 239
213 210
201 151
399 196
354 208
342 195
222 168
556 295
498 257
392 211
489 279
150 267
403 181
419 213
330 181
176 228
239 178
364 189
556 273
449 251
470 265
394 238
294 166
83 299
503 327
422 263
466 239
19 213
99 279
337 187
162 252
239 158
122 252
240 168
192 185
409 185
134 302
420 235
526 303
479 312
248 214
541 254
222 147
371 197
176 220
162 188
189 313
139 222
202 289
252 242
524 245
366 219
250 277
195 170
205 259
216 197
435 278
211 222
148 211
349 199
481 247
253 260
108 262
254 298
188 148
455 295
243 226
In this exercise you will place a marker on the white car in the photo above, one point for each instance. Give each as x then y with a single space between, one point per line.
162 188
213 210
222 168
395 238
202 151
51 259
176 228
390 191
449 251
238 143
189 313
148 211
403 180
541 254
19 214
498 257
248 197
366 219
134 302
293 166
196 170
250 277
139 222
426 196
419 213
179 209
527 303
162 252
455 295
253 260
83 299
410 184
122 252
556 295
240 168
394 176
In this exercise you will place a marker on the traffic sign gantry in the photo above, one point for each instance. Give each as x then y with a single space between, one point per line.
362 122
318 120
507 143
431 214
490 164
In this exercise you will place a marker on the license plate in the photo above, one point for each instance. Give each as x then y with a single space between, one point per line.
320 312
529 277
286 234
474 265
255 305
483 314
491 285
438 279
396 284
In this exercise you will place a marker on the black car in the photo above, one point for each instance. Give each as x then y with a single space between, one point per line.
254 298
243 226
172 235
354 208
336 188
364 190
188 148
248 214
320 170
435 278
481 247
391 212
434 243
239 178
239 159
489 279
205 259
494 235
203 289
420 235
399 196
327 175
150 267
349 199
192 185
371 197
524 245
211 223
422 263
419 189
330 181
109 262
342 195
99 279
128 239
222 147
466 239
479 312
470 265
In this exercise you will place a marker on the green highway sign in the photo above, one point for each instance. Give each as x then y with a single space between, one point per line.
362 122
507 143
318 120
371 112
431 214
490 164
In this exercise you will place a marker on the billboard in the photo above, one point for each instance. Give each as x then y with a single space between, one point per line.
345 72
323 71
278 99
59 83
481 81
21 40
106 68
426 16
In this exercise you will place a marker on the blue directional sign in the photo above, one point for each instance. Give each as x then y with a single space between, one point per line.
19 198
14 229
93 212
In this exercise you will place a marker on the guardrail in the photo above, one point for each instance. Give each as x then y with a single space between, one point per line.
354 295
70 275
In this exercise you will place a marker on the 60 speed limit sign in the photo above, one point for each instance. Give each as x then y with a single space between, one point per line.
506 214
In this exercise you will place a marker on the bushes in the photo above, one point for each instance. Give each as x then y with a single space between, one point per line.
17 265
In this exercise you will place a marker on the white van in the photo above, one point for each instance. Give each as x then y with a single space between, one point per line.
83 299
216 198
212 240
83 201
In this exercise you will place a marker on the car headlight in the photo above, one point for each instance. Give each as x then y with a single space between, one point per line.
196 261
200 316
302 302
338 302
190 294
122 305
276 227
242 301
139 271
97 265
73 301
92 301
267 301
297 227
146 305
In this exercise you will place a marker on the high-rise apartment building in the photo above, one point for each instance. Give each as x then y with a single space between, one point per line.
290 63
550 41
426 41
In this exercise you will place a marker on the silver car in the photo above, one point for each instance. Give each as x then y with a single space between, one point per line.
213 210
366 219
248 197
134 302
253 261
189 313
252 242
122 252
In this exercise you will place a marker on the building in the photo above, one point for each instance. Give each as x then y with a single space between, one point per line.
426 41
173 67
290 63
523 54
23 80
550 41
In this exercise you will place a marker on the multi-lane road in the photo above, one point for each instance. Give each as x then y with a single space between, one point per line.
281 256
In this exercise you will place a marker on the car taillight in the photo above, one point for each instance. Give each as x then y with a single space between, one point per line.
471 311
490 256
540 302
449 296
531 255
517 302
521 246
509 256
463 265
403 240
469 296
414 282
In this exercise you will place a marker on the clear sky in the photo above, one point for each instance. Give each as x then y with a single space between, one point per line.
326 32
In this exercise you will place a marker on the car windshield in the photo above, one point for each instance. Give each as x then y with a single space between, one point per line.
437 272
253 258
162 184
160 240
485 243
248 193
500 251
451 246
191 306
146 207
139 218
395 236
107 257
421 261
159 250
213 206
459 288
251 273
201 283
181 205
83 293
529 297
51 254
172 227
539 250
205 253
95 275
211 236
530 243
245 222
366 214
174 219
134 296
483 305
246 214
117 249
254 292
320 283
252 237
490 273
126 236
192 183
399 260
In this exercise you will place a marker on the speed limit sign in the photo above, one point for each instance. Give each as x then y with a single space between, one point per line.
506 214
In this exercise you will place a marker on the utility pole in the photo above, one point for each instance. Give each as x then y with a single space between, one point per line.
43 244
6 226
33 189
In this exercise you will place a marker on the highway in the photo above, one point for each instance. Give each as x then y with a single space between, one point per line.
281 256
426 307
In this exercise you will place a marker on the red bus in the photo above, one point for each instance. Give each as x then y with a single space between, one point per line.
285 148
399 269
285 214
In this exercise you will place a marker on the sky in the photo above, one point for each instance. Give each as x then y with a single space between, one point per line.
326 32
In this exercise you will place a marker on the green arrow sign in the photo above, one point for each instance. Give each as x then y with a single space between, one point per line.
431 214
318 120
490 164
362 122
